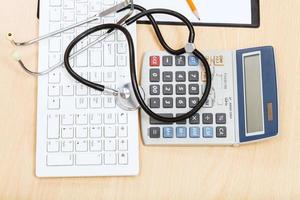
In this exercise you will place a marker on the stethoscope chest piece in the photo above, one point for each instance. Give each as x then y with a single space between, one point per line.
126 98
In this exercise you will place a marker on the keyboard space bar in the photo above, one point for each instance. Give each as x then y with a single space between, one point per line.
58 159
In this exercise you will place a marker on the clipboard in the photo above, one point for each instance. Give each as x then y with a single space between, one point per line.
222 13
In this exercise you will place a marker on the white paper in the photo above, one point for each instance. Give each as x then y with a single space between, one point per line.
211 11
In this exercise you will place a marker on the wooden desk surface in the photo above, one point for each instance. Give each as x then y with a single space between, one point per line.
267 170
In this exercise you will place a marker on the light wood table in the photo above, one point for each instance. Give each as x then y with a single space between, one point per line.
267 170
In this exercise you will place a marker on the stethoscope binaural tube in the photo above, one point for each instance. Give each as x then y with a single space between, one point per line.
134 82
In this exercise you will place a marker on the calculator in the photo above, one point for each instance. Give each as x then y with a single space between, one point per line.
242 106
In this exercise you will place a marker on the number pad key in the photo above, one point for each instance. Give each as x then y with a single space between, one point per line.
168 89
167 102
154 75
181 89
194 89
195 119
207 118
154 89
180 76
167 76
193 101
154 102
194 76
180 102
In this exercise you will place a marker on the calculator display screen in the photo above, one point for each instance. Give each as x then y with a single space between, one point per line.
253 93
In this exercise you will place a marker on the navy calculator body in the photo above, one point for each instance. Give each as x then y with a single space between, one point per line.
242 106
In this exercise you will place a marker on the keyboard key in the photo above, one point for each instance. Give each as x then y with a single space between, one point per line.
81 132
95 132
82 58
95 119
95 145
59 159
154 121
193 76
109 54
180 89
193 89
110 158
69 4
109 76
53 146
96 77
167 60
154 75
67 119
54 59
122 48
194 132
168 132
81 103
54 77
180 60
154 61
53 126
82 9
154 102
67 90
81 146
180 76
167 89
95 102
123 158
208 132
55 2
154 132
221 118
181 132
195 119
54 44
81 90
53 103
67 132
167 102
110 145
193 61
53 90
221 132
193 101
123 145
95 58
109 131
67 146
154 89
109 118
180 102
55 14
123 131
167 76
123 118
88 159
207 118
109 102
94 5
122 60
180 122
69 16
81 119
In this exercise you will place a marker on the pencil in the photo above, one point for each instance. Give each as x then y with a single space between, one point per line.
193 8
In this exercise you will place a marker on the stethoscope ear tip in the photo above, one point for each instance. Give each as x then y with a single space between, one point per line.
16 56
9 37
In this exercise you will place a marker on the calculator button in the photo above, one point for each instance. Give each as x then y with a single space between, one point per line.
167 76
154 61
154 102
167 60
208 132
154 75
168 132
207 118
180 102
168 102
194 132
221 132
194 76
154 89
154 121
193 61
193 101
180 76
180 60
168 89
194 89
154 132
180 122
181 132
221 118
180 89
195 119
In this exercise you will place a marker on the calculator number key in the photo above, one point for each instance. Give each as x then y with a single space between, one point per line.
154 89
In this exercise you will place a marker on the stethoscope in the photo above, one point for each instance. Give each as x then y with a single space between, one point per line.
130 96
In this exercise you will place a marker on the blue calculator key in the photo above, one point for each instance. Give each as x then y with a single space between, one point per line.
181 132
168 132
193 61
194 132
208 132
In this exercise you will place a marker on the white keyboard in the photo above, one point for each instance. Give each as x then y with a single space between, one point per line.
81 132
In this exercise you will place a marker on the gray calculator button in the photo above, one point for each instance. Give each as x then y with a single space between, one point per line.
221 118
221 132
207 118
180 76
167 60
154 121
193 101
180 122
167 76
180 89
180 60
154 132
154 102
195 119
194 76
194 89
180 102
154 89
167 89
167 102
154 75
